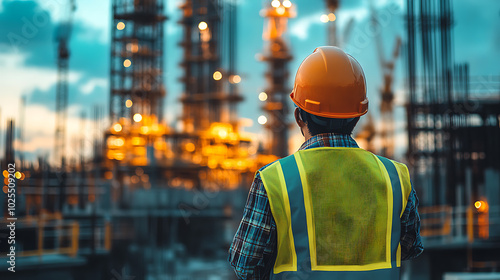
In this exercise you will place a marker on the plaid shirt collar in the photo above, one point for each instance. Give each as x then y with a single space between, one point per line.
329 140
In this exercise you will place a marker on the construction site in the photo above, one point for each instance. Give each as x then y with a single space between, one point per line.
160 201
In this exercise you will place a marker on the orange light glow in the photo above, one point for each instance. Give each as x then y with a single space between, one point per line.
235 79
202 25
217 75
331 17
5 173
481 206
120 26
108 175
190 147
117 127
137 117
128 103
127 63
144 129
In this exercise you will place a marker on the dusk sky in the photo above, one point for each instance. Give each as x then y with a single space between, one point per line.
28 65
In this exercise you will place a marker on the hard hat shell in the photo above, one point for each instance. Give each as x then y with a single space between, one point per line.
330 83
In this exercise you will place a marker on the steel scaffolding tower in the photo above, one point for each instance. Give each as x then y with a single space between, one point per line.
137 59
210 93
277 54
453 136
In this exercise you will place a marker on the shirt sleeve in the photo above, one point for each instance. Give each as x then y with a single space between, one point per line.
252 252
411 242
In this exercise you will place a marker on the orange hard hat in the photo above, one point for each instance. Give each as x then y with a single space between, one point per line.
330 83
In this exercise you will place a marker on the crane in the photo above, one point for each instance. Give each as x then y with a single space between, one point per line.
386 91
63 33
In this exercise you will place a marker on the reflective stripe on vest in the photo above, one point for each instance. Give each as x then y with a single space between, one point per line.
323 202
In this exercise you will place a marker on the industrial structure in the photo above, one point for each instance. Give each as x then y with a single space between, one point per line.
63 34
386 130
453 134
147 185
277 54
154 201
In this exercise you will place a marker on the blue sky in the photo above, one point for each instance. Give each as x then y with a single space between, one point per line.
28 57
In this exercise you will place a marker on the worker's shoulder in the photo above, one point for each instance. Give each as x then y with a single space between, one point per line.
266 167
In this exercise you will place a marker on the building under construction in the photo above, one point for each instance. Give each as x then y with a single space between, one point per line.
152 201
453 133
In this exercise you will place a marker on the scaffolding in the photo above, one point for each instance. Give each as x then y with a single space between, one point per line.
210 92
453 133
277 54
136 60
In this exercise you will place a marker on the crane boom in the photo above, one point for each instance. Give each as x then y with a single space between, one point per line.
63 34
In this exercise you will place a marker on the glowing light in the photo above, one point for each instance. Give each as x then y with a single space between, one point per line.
5 173
481 206
287 4
324 18
17 174
331 17
235 79
275 3
262 120
262 96
202 26
137 117
212 163
280 10
128 103
133 47
5 189
190 147
117 127
127 63
108 175
217 75
144 129
222 133
120 26
119 142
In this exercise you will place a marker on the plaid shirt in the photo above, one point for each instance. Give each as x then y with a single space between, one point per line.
253 251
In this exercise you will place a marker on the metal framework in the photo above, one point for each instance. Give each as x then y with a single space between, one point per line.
137 59
277 54
210 94
453 125
63 34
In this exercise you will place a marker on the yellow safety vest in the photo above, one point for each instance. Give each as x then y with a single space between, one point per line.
338 214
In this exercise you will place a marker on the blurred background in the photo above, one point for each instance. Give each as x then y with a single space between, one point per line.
136 126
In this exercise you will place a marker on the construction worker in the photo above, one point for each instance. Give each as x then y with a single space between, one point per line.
331 210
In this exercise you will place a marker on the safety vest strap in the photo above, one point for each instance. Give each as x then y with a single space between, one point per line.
298 214
397 205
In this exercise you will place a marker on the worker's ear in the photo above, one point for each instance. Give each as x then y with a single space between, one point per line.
298 119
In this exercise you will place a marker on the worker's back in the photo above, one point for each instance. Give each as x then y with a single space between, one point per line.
337 213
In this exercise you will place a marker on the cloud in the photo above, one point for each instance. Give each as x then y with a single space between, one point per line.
91 85
24 25
300 27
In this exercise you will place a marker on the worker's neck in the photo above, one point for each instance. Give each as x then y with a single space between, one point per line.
306 134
